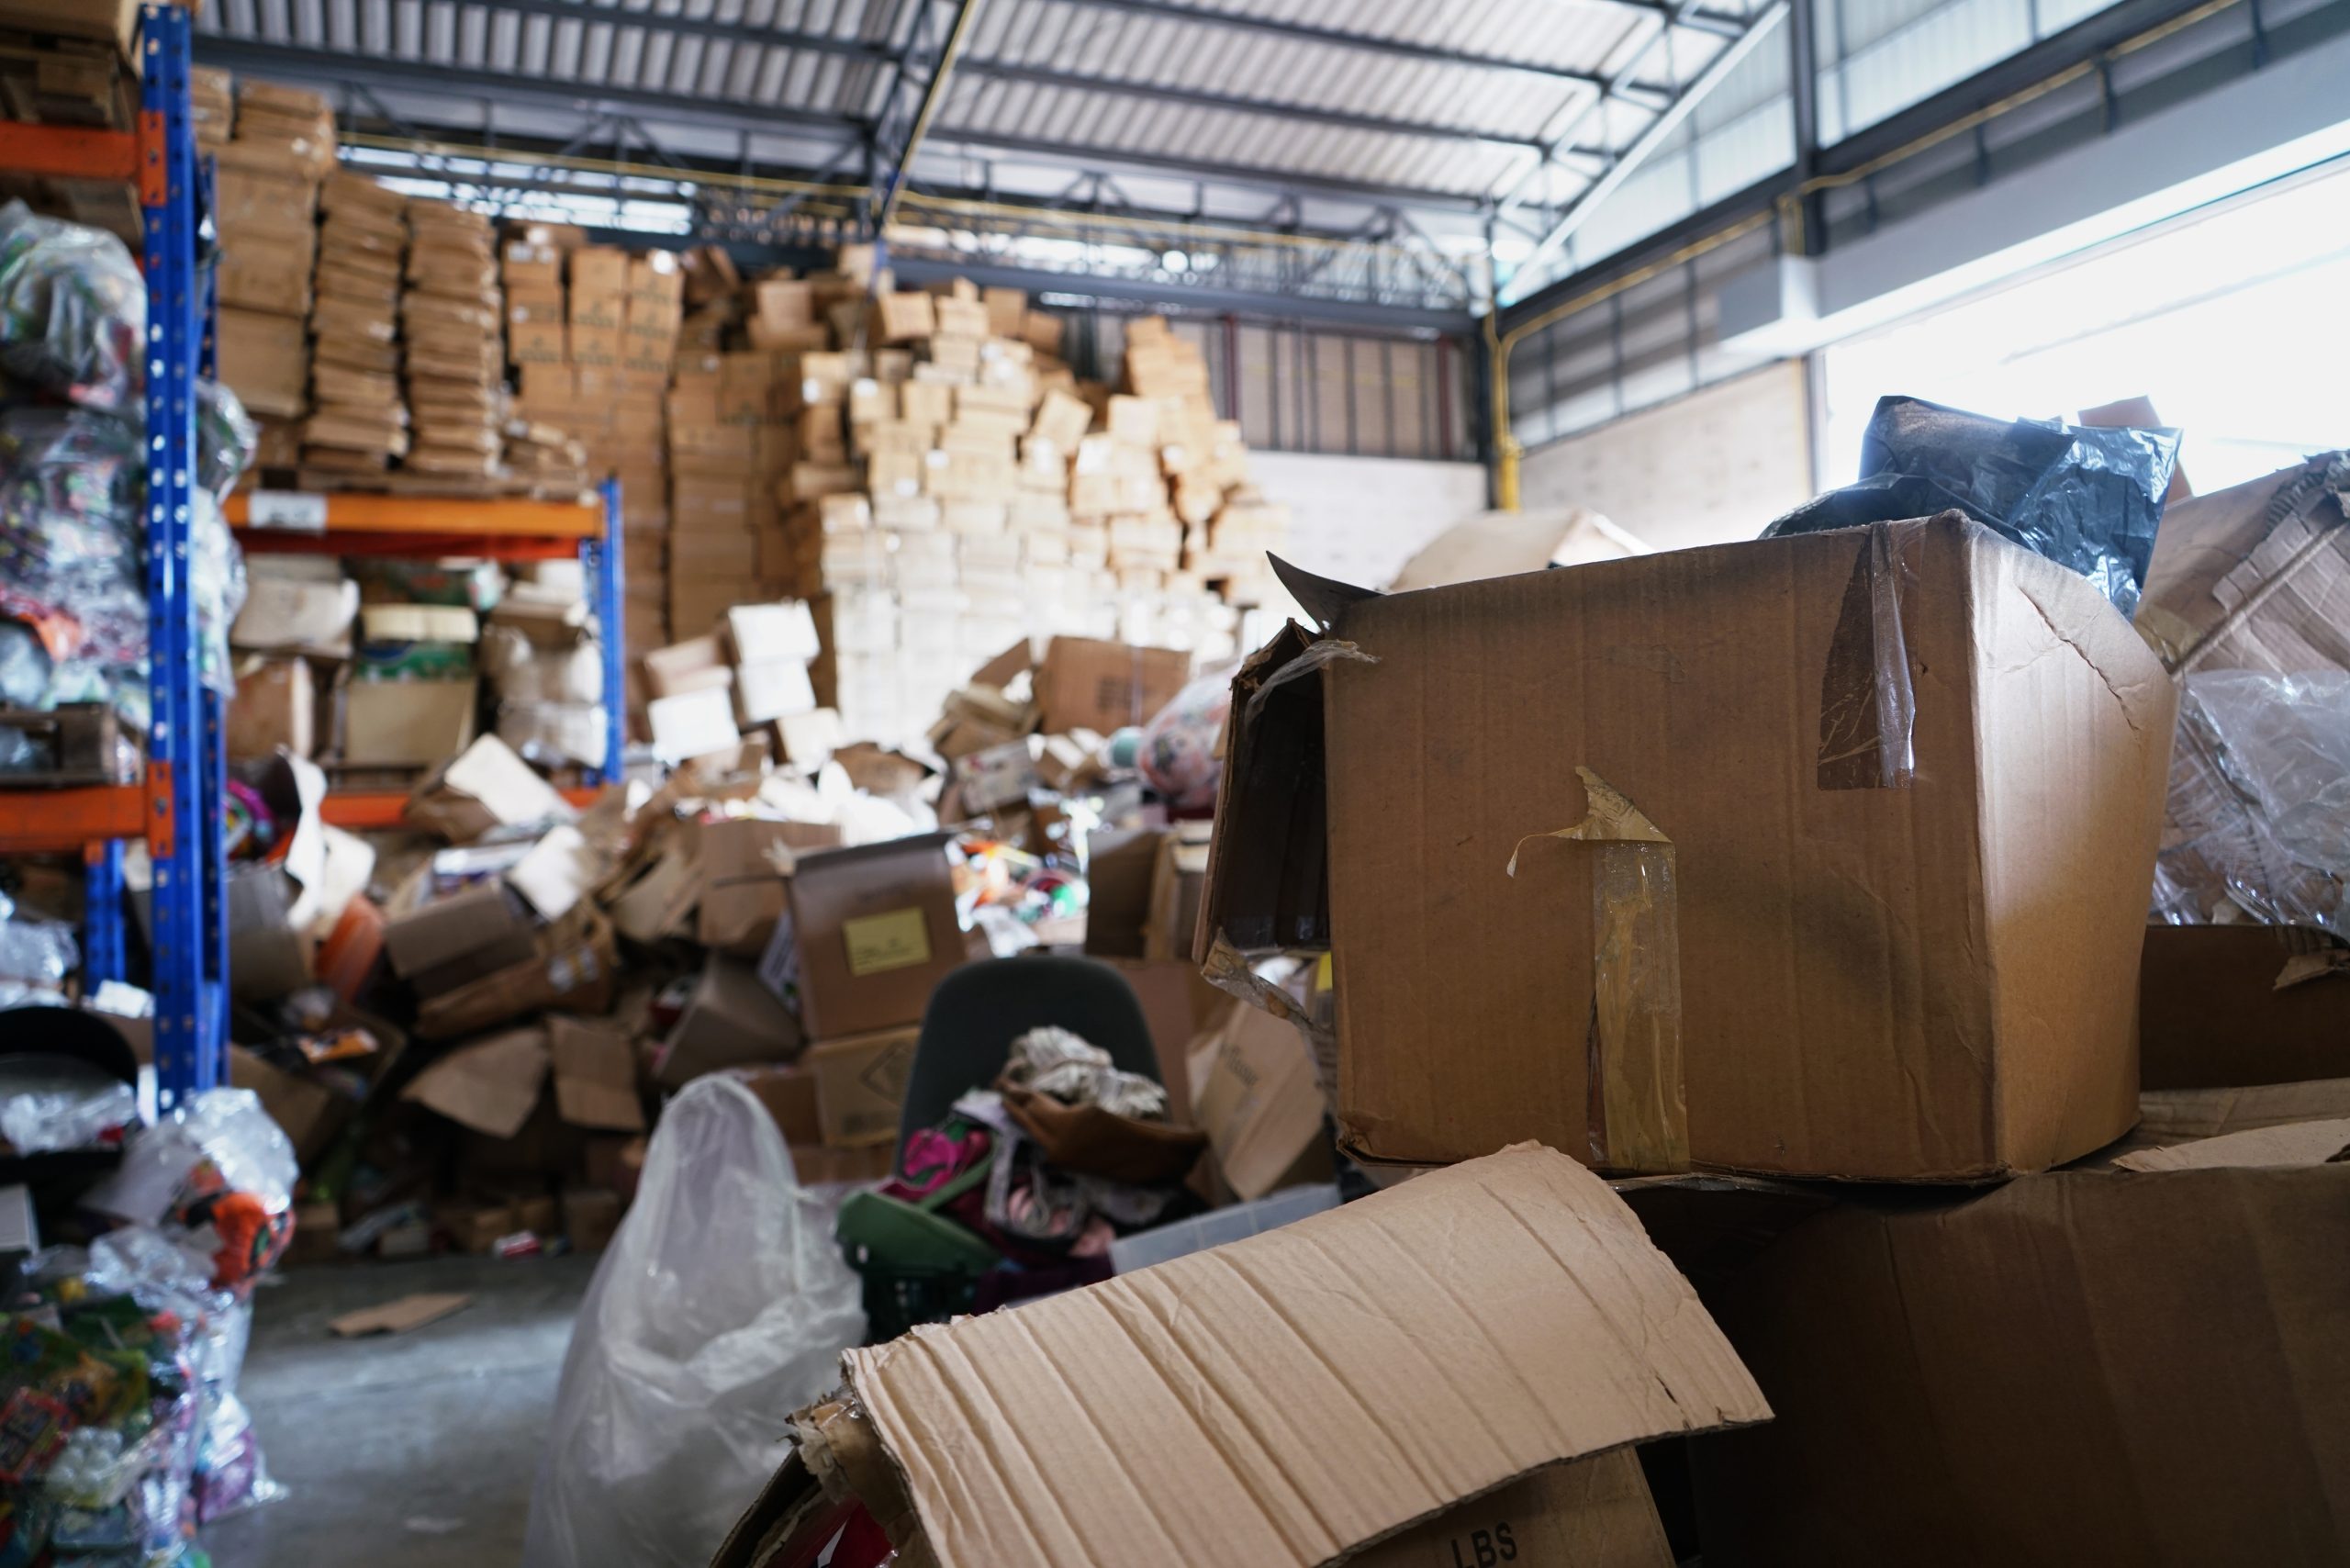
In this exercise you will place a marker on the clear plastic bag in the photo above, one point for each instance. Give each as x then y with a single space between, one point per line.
721 1306
2259 807
223 1140
72 310
36 952
2085 497
49 1103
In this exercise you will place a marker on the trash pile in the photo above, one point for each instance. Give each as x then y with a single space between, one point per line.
125 1433
72 484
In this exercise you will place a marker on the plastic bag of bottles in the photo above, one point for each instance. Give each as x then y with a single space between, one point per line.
73 311
102 1413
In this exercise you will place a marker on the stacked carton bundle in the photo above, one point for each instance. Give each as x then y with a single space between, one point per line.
358 424
1226 527
947 496
452 344
272 146
592 332
747 680
543 461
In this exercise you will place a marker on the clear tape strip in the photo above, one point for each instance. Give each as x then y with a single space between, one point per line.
1637 1104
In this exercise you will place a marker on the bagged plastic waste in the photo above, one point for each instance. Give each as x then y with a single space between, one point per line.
73 311
2085 497
72 484
2259 801
719 1306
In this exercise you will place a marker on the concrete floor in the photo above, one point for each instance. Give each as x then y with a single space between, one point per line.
414 1450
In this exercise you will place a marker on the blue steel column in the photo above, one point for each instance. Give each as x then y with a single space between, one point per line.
605 563
178 768
102 949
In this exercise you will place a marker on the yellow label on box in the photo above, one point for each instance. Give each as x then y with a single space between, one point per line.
878 943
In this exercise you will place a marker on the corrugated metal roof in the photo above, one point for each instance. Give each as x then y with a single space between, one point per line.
1335 108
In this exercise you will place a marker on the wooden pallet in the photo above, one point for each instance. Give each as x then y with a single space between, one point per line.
84 739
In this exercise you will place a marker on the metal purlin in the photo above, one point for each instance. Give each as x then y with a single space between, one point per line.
182 763
604 562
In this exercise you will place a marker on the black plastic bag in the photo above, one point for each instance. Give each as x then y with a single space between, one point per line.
2085 497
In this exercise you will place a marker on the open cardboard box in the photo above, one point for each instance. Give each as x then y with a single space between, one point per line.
1420 1368
1825 855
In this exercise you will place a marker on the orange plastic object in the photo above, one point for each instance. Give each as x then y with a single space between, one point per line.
348 956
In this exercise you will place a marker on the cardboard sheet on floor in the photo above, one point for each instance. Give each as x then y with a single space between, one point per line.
410 1312
1285 1400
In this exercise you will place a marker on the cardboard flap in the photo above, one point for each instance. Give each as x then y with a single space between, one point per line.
1321 597
2298 1143
1268 879
491 1086
1286 1399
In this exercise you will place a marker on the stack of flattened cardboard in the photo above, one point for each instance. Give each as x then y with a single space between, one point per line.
1300 1398
452 322
358 422
265 200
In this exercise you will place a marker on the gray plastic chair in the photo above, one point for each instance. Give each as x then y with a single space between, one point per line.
978 1011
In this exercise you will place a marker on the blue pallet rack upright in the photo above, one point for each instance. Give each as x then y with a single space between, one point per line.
177 808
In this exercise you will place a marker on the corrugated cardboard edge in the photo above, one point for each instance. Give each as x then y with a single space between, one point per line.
1732 1406
2293 1145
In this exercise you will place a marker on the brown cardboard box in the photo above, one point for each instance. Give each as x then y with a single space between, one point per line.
1590 1513
1086 1388
732 1019
903 317
276 705
296 615
739 862
1793 968
1085 684
788 1091
2136 1361
575 967
876 930
458 937
594 1074
2227 1005
407 723
861 1085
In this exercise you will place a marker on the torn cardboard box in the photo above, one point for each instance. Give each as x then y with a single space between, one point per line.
731 1020
487 787
1284 1401
594 1074
1821 856
491 1086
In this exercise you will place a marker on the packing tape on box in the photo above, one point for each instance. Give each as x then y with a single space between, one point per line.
1867 708
1639 1109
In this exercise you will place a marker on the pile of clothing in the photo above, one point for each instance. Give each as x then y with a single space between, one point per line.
72 483
1020 1191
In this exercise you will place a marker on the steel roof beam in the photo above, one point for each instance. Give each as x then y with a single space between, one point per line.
1200 296
1275 180
1043 76
860 49
1637 150
387 71
1336 38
